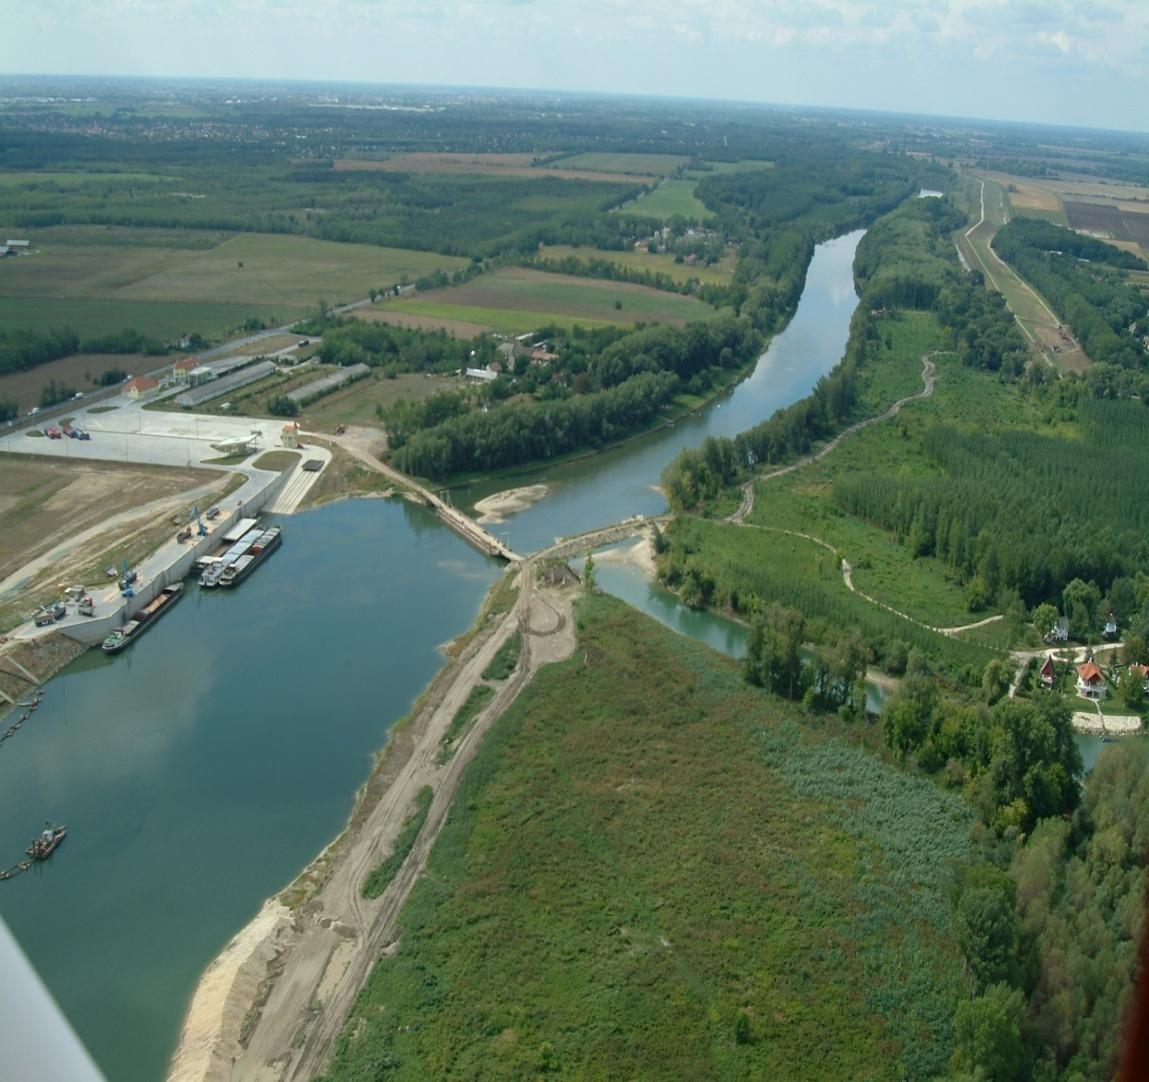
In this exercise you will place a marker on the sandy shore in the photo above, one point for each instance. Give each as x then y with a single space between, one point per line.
640 555
495 508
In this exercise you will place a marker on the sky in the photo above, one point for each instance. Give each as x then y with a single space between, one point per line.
1079 62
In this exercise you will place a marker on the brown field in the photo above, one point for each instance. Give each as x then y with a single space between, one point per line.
43 500
496 165
1076 187
1100 219
456 328
1029 194
78 372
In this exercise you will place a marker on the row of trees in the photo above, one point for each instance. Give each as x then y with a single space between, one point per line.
24 349
1077 276
1015 510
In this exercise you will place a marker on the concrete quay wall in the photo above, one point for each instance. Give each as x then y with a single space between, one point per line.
91 630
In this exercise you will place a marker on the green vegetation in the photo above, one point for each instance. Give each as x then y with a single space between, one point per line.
163 320
380 878
1082 279
649 268
653 165
481 694
671 199
504 662
588 910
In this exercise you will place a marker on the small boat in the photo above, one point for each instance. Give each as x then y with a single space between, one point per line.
47 843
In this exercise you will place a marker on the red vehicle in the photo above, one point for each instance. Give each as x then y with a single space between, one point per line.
53 433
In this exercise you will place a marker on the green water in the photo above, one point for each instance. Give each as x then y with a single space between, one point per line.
200 770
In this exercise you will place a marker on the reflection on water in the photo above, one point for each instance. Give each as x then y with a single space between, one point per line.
202 768
608 487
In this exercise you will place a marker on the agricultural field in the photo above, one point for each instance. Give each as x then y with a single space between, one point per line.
81 372
648 165
747 165
719 274
516 300
587 912
356 404
456 328
671 198
494 165
250 269
164 320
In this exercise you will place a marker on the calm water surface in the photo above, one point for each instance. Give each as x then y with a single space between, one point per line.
616 484
200 770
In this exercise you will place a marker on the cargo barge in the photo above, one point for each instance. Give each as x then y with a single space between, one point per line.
210 576
148 615
261 548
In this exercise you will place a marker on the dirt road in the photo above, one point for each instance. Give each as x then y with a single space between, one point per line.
309 965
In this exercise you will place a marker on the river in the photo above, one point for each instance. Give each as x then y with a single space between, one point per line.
199 771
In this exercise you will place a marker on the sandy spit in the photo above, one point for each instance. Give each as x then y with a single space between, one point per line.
495 508
225 993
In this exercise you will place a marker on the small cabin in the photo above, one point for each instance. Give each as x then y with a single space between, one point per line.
1109 632
1059 632
1047 673
1090 682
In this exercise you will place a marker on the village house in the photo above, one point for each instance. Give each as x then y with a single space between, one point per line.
183 368
541 356
1059 632
140 386
481 375
1047 673
1090 682
1109 632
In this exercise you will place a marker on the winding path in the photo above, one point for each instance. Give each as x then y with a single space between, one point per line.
929 381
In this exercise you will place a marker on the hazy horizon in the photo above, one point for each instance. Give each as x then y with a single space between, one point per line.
1080 63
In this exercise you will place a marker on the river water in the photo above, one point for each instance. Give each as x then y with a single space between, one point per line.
200 770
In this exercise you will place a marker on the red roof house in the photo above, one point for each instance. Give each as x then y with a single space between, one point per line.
1090 682
141 385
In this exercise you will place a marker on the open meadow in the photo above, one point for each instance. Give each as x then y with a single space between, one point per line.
589 909
515 300
648 165
80 371
719 274
670 199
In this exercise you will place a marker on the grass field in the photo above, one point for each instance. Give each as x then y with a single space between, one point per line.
648 165
516 300
656 263
355 405
651 872
167 291
165 320
670 198
456 328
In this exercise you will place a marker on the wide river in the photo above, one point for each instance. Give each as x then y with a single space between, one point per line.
199 771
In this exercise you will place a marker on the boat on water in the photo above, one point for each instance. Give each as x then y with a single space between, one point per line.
144 618
47 843
264 545
211 575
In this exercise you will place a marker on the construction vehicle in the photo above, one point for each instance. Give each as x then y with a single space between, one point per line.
127 580
86 607
201 529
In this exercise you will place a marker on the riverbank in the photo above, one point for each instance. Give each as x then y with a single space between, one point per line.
324 953
494 509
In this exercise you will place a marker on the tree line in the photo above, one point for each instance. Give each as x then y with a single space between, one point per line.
1082 280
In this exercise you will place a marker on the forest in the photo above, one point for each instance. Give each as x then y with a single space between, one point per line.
1021 511
905 260
1082 279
